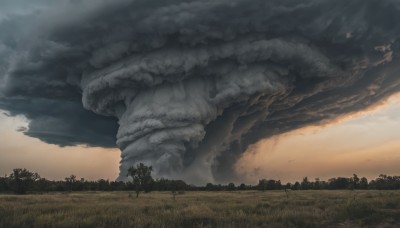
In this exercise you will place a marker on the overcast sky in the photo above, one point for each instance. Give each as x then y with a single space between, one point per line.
202 90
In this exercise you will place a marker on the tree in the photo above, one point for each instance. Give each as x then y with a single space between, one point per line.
141 176
262 185
22 180
70 181
42 185
274 185
211 187
3 184
364 183
231 187
355 181
296 186
103 185
339 183
265 184
305 184
242 186
177 187
317 184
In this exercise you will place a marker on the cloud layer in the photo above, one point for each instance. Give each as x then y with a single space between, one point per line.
194 83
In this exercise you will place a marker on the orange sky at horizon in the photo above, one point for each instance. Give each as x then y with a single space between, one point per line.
366 143
51 161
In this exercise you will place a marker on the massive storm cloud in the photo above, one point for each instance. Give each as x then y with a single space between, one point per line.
187 85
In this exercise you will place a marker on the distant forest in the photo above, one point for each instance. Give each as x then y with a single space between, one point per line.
22 181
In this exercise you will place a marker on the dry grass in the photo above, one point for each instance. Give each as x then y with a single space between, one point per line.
203 209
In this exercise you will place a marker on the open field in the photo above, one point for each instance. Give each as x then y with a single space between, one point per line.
203 209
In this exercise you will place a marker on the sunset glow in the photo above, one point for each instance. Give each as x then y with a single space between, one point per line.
365 143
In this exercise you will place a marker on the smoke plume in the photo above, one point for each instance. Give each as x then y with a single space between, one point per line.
193 83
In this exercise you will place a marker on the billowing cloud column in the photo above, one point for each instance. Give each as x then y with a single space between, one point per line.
166 99
193 83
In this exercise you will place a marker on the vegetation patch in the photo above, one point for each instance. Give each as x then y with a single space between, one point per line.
199 209
364 212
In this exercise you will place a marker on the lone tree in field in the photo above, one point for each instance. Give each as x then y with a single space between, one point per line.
141 176
22 180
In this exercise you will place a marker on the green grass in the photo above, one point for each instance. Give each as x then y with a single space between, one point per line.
203 209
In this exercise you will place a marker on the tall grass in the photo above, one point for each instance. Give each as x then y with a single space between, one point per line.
203 209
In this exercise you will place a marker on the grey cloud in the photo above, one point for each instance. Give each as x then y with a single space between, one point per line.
194 83
62 122
22 129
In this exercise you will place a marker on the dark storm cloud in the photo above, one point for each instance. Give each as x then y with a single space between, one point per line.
194 83
46 97
63 123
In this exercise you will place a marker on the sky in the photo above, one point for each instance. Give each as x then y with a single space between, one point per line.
51 161
202 90
365 143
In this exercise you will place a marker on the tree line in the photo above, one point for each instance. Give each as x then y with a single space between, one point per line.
383 182
22 181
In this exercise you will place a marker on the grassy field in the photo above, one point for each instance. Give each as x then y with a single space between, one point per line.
203 209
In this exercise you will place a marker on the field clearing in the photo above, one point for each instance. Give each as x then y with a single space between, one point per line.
203 209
